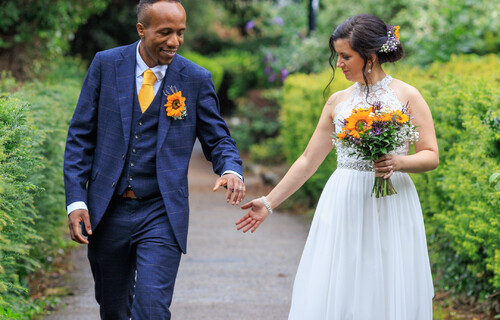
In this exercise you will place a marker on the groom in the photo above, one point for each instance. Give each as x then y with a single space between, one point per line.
126 162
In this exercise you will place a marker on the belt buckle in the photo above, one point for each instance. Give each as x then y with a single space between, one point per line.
129 194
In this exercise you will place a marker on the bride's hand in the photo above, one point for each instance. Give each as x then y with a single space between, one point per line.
387 164
254 217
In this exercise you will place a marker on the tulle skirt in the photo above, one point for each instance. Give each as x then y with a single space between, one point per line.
365 258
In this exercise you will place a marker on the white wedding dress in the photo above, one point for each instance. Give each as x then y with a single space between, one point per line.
365 258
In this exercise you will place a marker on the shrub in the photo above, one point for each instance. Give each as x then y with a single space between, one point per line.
32 30
459 202
33 128
209 64
18 161
242 72
254 124
302 106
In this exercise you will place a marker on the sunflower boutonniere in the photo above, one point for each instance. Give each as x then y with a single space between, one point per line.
176 106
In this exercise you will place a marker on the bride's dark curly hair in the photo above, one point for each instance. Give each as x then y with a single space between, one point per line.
366 34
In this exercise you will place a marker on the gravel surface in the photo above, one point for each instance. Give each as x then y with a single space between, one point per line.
225 274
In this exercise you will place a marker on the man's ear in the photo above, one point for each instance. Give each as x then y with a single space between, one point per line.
140 29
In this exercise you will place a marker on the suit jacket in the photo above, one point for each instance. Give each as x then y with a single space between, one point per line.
99 134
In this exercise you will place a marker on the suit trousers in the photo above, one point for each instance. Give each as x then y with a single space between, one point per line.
134 258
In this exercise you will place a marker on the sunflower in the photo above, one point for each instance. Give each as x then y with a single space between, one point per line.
359 121
341 135
401 117
355 134
175 104
386 117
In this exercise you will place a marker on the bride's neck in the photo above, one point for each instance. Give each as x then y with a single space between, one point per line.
375 76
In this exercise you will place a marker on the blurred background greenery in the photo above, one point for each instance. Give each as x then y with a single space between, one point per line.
269 61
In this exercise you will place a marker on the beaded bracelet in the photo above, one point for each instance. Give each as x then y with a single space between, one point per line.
266 204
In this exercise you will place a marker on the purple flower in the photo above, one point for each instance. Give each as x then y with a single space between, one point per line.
376 130
406 108
284 73
268 57
272 77
377 106
267 70
250 25
277 20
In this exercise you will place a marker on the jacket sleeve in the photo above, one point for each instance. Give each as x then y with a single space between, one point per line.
81 140
212 131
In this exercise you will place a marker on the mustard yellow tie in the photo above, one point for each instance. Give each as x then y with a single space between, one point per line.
147 93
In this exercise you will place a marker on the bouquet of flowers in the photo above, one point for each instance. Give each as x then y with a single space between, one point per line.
373 132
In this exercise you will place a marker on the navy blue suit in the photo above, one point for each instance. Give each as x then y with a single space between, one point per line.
99 148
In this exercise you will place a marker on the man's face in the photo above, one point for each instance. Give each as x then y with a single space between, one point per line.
165 33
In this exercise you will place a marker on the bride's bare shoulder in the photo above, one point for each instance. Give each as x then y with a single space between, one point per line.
404 90
339 96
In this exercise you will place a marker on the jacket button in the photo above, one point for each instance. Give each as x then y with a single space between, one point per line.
130 178
134 151
123 157
140 123
113 184
132 164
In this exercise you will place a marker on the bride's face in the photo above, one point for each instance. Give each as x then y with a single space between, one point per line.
349 61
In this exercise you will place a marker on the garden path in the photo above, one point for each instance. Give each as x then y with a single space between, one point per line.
226 274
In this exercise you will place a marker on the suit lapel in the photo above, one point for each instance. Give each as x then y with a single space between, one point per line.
173 77
125 83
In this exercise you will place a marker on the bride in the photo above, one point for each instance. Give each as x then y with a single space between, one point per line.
365 257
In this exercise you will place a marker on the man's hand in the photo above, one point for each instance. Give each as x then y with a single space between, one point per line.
235 187
74 219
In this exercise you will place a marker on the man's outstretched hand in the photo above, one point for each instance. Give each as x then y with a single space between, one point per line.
74 219
235 187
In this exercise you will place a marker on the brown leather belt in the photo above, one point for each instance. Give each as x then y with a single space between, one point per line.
129 193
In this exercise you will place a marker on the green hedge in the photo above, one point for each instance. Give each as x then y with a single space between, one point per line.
213 66
33 128
33 32
460 203
242 72
18 161
303 102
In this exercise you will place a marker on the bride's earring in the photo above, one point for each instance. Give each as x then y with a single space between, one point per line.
369 68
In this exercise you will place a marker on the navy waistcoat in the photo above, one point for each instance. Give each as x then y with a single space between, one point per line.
139 172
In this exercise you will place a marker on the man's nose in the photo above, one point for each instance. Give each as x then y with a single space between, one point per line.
173 41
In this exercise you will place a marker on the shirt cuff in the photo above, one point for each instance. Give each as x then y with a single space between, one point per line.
233 172
77 205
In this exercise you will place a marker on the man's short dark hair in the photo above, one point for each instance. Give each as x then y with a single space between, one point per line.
142 8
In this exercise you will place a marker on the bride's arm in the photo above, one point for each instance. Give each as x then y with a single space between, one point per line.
303 168
426 157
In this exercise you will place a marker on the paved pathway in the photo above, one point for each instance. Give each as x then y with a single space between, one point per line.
225 274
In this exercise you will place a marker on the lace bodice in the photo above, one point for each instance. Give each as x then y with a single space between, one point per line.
379 91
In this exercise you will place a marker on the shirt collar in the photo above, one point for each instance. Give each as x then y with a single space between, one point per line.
141 66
